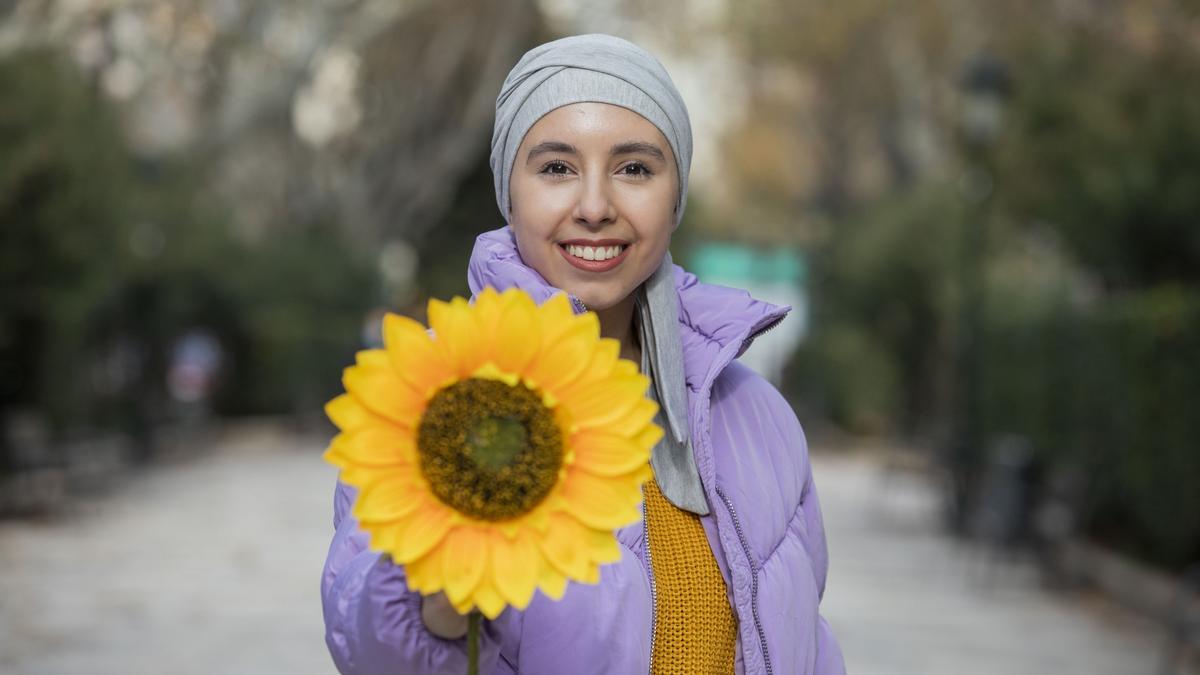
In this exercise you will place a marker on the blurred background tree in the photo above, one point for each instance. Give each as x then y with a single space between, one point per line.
263 174
276 173
1082 211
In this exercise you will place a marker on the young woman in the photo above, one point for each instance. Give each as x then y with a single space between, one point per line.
591 153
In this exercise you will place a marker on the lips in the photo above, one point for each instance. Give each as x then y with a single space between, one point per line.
606 254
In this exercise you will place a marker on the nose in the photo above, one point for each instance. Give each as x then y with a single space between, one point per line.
594 206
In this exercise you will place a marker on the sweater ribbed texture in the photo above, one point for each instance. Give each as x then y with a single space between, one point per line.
696 631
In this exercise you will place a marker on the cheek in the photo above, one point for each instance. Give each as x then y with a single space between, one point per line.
652 213
657 203
532 219
652 255
655 225
531 245
536 248
536 204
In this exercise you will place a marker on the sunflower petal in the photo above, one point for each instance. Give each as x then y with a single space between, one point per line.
413 354
556 311
607 400
486 598
380 390
566 350
602 503
456 334
377 445
516 336
648 436
515 566
604 357
464 559
487 305
603 546
561 545
347 413
388 497
593 575
356 475
551 581
624 367
371 358
604 454
417 533
489 310
425 573
334 457
351 472
633 423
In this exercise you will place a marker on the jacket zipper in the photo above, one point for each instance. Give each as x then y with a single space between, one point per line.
765 329
653 587
737 525
762 636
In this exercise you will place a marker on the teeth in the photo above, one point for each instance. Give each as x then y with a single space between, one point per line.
593 252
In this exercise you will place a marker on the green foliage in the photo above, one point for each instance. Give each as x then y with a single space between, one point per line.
886 291
62 170
1103 150
1090 255
1104 144
303 294
850 376
101 250
445 250
1109 390
63 226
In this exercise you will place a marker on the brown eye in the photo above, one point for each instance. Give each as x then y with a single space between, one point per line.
555 168
636 169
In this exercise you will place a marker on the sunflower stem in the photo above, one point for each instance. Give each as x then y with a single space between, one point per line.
473 643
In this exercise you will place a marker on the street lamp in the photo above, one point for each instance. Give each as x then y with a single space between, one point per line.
985 87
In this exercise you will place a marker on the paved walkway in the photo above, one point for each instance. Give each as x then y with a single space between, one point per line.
211 567
905 600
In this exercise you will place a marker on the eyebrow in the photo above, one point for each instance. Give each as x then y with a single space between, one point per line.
626 148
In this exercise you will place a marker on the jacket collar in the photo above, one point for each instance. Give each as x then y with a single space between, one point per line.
717 323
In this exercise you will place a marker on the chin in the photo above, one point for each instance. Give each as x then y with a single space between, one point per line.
599 300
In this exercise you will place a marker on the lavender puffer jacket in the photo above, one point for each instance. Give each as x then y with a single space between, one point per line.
764 527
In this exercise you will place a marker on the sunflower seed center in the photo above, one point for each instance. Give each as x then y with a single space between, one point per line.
488 449
495 442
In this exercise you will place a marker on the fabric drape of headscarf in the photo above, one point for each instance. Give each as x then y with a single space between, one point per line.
606 69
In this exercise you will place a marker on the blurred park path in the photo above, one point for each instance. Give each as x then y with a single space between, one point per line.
206 566
904 599
211 565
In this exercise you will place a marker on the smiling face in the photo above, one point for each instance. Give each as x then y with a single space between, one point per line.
593 192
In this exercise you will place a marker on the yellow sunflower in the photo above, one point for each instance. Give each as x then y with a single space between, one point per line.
497 455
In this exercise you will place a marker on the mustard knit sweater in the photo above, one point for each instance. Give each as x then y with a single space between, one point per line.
695 628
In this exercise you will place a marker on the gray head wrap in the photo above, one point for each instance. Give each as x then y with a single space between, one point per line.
606 69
